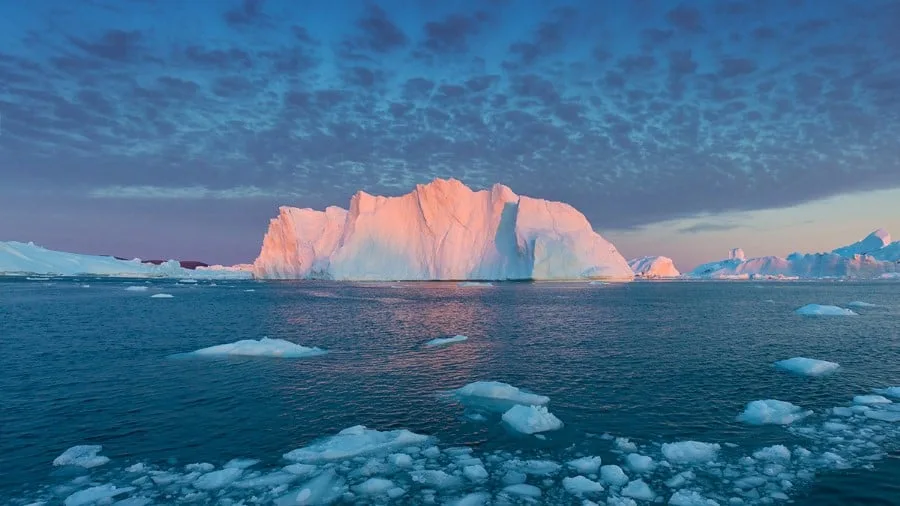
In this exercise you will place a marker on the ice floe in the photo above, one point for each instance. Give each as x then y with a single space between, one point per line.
690 452
498 391
890 392
613 475
136 288
86 456
579 485
807 366
772 412
824 310
443 341
859 303
161 296
585 465
355 442
531 419
265 347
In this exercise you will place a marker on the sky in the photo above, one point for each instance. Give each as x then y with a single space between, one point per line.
161 128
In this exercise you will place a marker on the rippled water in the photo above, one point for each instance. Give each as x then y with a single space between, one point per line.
653 362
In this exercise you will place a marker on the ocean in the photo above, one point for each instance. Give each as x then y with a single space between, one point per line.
628 369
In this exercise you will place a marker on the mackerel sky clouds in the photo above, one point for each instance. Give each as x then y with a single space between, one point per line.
166 128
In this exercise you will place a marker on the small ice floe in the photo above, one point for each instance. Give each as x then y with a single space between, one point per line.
639 490
625 445
585 465
161 296
807 366
499 391
444 341
690 452
187 281
531 419
136 288
265 347
613 475
859 303
580 486
772 412
890 392
249 290
472 284
95 495
354 442
85 456
822 310
868 400
214 480
690 498
85 286
639 463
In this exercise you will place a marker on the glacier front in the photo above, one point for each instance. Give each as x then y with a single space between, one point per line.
442 230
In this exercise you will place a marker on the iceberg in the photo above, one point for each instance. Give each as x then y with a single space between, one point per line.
820 310
442 230
265 347
531 419
86 456
18 258
653 267
872 257
807 366
772 412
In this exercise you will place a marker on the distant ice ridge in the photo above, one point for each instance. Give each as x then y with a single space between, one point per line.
17 258
873 257
361 465
444 341
440 231
265 347
807 366
653 267
820 310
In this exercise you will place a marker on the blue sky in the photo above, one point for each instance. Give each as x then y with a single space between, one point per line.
174 129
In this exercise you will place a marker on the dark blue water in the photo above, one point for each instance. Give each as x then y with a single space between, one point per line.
653 362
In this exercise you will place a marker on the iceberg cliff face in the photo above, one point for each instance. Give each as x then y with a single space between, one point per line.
873 257
654 267
439 231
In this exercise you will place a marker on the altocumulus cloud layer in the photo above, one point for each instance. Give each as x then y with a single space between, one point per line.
632 111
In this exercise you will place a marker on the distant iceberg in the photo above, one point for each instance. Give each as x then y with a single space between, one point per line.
824 310
873 257
17 258
653 267
265 347
807 366
442 230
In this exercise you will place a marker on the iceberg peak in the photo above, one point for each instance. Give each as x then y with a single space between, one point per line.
442 230
872 242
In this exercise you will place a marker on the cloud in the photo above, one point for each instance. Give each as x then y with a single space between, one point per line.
116 45
378 32
150 192
248 12
701 227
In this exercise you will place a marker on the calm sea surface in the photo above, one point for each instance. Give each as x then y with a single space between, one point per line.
652 362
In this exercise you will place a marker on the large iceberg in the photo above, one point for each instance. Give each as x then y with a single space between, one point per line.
19 258
653 267
440 231
873 257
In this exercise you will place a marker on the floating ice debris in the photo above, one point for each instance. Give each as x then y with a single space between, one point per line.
354 442
807 366
249 290
374 487
890 392
473 499
776 453
639 490
217 479
265 347
495 390
772 412
475 473
639 463
95 495
161 296
625 445
859 303
240 463
821 310
523 490
613 475
187 281
585 465
690 452
442 341
472 284
579 485
85 456
270 480
871 399
690 498
531 419
136 289
620 501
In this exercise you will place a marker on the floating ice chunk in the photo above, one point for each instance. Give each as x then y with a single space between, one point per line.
475 473
187 281
523 490
531 419
690 498
890 392
473 499
472 284
807 366
395 492
869 400
690 452
585 465
94 495
579 485
639 463
821 310
373 486
639 490
134 501
240 463
443 341
620 501
776 453
431 452
435 478
354 442
162 296
300 469
680 479
202 467
137 468
82 456
772 412
884 416
859 303
136 288
265 347
535 467
624 444
496 390
613 475
270 480
400 459
323 489
217 479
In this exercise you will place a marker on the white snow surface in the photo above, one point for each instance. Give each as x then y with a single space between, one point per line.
265 347
18 258
824 310
443 341
653 267
772 412
807 366
531 419
496 390
873 257
442 230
